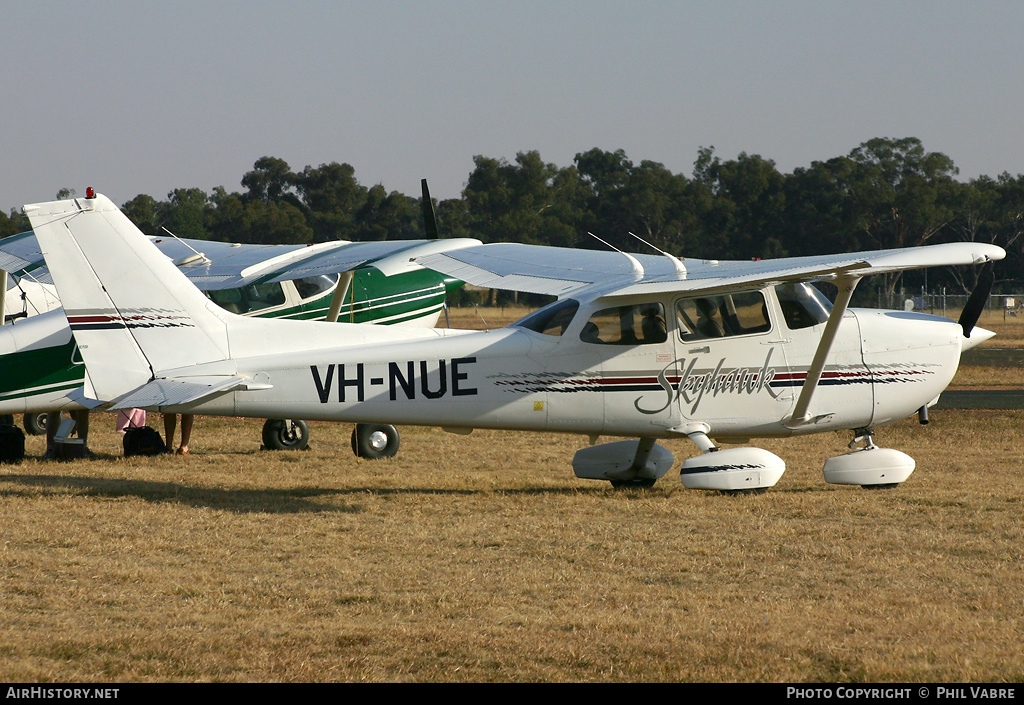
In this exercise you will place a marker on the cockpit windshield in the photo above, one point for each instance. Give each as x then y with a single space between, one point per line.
308 287
553 319
802 305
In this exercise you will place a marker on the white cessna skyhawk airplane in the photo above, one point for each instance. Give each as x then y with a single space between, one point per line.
648 347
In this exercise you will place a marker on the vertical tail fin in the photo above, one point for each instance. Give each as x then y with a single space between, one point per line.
133 313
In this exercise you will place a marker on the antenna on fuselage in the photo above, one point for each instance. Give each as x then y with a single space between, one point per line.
676 262
638 269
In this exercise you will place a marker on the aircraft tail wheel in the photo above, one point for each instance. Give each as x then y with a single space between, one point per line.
374 441
35 424
285 434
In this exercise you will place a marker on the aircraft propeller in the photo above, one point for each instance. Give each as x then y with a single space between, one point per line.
976 303
429 221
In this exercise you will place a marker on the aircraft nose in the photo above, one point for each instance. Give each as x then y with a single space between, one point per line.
978 336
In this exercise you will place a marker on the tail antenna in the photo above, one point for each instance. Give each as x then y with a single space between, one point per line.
676 262
638 269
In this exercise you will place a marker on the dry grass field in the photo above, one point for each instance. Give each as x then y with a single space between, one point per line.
1009 330
482 558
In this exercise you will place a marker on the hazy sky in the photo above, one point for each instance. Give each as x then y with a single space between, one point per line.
144 97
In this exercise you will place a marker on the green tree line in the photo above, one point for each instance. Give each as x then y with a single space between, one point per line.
885 193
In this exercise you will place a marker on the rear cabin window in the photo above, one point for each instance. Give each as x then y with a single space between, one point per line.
802 305
552 319
248 298
640 324
722 316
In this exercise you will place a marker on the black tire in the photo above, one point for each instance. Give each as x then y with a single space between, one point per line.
285 434
644 484
372 441
35 424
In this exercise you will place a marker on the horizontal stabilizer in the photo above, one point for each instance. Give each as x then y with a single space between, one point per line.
80 397
177 391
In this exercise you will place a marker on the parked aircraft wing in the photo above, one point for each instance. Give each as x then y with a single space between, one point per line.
256 264
221 265
20 255
561 271
539 269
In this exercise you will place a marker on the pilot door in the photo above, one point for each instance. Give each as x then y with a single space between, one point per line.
731 363
632 345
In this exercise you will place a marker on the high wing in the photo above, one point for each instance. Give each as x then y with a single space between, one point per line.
229 266
220 265
590 273
20 256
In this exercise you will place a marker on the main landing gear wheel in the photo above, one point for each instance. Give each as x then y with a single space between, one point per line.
35 424
285 434
374 441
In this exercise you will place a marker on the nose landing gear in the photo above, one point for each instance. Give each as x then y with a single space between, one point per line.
868 465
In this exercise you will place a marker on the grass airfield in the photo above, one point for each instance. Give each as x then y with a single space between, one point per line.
482 558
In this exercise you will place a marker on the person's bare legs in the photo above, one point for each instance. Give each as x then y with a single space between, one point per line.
170 422
186 432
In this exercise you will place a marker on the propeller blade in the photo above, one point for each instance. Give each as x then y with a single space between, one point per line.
429 221
976 303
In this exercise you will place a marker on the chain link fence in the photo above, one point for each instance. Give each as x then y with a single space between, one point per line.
949 305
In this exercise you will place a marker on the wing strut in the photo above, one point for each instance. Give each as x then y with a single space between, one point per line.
846 284
340 291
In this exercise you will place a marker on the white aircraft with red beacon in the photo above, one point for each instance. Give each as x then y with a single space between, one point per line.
645 347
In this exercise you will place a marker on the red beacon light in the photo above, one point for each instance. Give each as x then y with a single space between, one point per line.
90 192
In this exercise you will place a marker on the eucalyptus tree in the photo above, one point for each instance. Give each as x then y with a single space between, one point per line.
523 202
331 197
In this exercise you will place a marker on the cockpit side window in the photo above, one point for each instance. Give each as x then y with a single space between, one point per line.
723 316
639 324
552 319
802 305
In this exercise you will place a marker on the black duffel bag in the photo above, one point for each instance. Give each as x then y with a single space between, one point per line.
143 440
12 444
